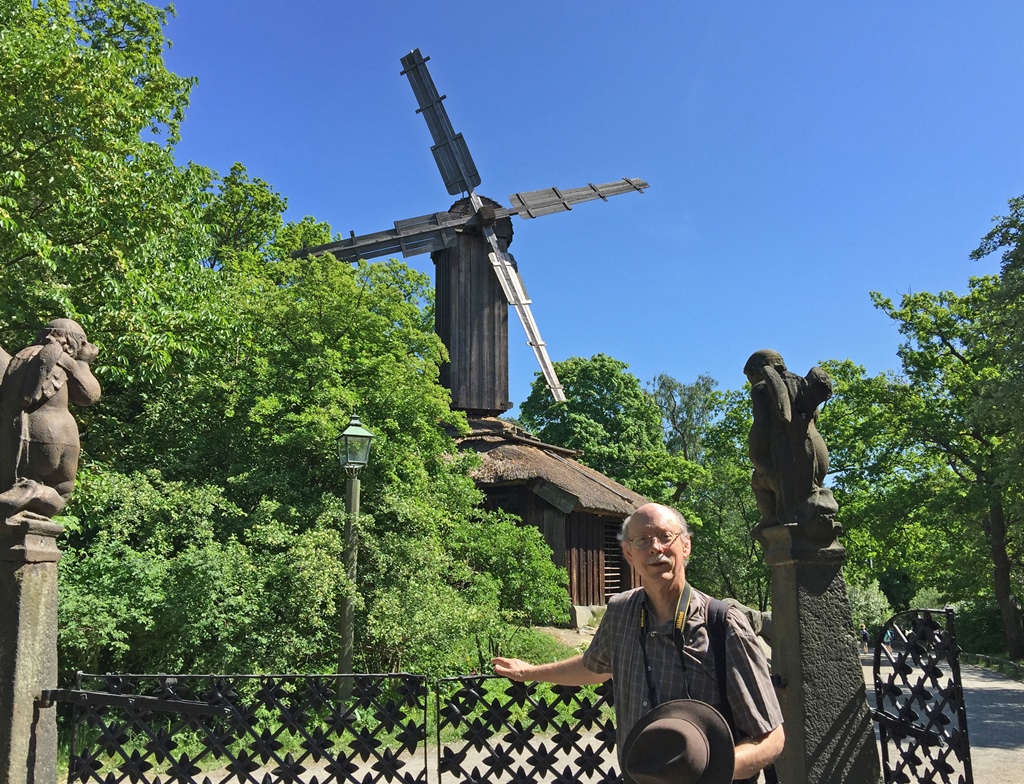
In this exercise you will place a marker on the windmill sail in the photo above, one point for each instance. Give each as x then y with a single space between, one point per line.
533 204
515 293
412 236
450 151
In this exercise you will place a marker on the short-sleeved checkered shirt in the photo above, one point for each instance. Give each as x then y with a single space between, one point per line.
616 649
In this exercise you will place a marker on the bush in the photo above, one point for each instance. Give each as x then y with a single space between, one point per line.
869 606
928 599
520 560
979 627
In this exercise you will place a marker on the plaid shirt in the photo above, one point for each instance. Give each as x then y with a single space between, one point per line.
616 649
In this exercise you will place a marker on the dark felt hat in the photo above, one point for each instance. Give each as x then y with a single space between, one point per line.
679 742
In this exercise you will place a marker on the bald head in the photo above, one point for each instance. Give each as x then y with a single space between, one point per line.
653 513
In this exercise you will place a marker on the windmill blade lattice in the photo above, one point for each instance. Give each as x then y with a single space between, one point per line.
450 152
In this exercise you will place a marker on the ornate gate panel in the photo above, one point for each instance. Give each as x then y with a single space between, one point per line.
498 731
206 729
922 721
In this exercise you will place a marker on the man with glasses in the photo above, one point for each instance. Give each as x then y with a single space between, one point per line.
654 642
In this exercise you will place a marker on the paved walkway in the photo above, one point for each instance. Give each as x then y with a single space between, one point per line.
995 722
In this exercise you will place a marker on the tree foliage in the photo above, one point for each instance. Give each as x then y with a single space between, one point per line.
607 416
952 361
687 411
89 191
205 531
918 457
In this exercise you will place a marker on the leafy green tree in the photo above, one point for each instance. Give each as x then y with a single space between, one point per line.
607 416
903 508
97 222
244 220
177 579
89 192
917 457
727 560
1005 313
687 411
868 605
898 586
952 359
687 414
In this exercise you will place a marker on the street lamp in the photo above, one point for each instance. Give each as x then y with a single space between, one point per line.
354 454
354 446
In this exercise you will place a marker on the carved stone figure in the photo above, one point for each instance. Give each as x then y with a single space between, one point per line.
789 455
39 444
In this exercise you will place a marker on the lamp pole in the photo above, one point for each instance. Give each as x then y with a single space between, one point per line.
354 454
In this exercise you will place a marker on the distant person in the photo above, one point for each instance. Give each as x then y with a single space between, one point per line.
655 642
865 637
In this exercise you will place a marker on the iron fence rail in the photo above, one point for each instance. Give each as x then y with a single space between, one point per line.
204 729
327 729
494 730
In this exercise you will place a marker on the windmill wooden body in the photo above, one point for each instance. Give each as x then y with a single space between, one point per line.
477 279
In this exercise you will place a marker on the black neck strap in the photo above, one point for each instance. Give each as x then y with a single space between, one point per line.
682 613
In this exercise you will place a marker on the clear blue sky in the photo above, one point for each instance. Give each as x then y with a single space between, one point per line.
800 154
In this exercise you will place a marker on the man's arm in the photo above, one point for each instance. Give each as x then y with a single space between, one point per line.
568 672
755 754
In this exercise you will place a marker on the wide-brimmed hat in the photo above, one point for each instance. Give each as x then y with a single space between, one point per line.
679 742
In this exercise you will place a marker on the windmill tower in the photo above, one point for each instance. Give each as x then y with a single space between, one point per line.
477 279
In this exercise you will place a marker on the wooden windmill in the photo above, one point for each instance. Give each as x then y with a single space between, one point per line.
477 279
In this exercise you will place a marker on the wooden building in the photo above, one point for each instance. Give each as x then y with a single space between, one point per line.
471 317
577 509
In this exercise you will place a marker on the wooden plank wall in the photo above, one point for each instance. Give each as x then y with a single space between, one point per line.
551 523
472 321
585 557
585 544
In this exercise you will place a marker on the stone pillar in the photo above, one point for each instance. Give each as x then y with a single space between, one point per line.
28 648
829 733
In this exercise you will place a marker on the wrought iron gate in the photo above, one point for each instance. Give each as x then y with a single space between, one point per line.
247 728
333 729
922 722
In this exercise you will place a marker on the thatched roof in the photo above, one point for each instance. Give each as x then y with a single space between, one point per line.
512 456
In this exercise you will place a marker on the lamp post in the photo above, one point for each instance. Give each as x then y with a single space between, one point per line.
354 454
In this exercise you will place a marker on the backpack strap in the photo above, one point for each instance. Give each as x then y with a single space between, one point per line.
717 612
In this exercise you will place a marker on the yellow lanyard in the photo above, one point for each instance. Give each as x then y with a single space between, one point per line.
682 612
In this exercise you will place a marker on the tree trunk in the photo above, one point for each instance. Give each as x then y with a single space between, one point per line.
1008 603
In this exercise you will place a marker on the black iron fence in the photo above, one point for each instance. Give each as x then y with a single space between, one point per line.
494 730
359 729
922 721
385 729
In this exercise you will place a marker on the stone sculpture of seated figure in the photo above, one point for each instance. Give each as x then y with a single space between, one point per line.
789 455
39 443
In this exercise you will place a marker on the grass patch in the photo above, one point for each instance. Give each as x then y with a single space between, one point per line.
536 647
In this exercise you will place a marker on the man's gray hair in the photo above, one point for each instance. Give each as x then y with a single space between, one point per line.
684 529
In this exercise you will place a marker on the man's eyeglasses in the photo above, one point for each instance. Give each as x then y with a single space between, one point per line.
644 542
